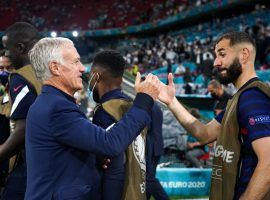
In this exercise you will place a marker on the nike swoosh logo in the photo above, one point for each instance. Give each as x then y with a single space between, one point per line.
16 88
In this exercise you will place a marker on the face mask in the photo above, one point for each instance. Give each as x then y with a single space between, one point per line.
214 96
4 77
91 90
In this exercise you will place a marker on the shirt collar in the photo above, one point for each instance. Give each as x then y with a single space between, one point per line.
248 82
113 94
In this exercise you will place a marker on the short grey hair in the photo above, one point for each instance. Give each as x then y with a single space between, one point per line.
45 51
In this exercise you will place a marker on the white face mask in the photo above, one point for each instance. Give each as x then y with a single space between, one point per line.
90 90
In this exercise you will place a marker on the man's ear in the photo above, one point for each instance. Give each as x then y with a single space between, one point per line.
98 76
54 68
97 73
244 56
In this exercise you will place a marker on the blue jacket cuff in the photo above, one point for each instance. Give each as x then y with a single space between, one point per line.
144 101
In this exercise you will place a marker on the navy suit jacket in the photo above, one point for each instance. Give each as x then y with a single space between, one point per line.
61 145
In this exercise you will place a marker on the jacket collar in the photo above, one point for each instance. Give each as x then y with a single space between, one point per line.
53 90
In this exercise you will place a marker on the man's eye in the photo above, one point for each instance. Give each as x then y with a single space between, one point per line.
222 55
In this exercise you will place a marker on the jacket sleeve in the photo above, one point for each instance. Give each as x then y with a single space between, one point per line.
71 128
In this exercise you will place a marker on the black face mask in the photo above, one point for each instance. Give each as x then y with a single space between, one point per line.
214 96
4 77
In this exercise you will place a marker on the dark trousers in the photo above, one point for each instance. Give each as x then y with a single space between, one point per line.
153 186
16 184
112 189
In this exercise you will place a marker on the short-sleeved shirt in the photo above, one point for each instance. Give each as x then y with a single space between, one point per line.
254 123
22 95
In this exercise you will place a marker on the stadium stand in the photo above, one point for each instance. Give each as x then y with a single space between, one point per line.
82 15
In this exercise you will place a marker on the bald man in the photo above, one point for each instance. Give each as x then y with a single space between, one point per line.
242 131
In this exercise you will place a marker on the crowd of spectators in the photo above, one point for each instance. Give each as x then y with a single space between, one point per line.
175 49
60 15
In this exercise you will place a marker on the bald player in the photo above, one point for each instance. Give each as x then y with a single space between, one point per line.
241 160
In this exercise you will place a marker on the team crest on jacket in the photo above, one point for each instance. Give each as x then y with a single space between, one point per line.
138 148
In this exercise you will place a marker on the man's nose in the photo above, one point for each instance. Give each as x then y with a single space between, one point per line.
217 62
82 68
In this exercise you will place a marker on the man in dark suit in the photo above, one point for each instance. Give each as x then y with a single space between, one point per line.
61 143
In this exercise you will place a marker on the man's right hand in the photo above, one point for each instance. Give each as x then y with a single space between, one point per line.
150 86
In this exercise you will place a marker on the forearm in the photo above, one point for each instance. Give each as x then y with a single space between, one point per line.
14 142
190 123
259 184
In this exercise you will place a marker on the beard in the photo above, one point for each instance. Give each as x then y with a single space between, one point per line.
232 72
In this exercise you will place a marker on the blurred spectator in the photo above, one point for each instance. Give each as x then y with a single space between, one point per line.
187 76
220 96
5 69
266 64
180 70
82 100
207 67
5 63
135 69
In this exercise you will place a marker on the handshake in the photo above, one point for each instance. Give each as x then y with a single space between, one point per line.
155 88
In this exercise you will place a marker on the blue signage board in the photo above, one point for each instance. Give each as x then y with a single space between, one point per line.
185 181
